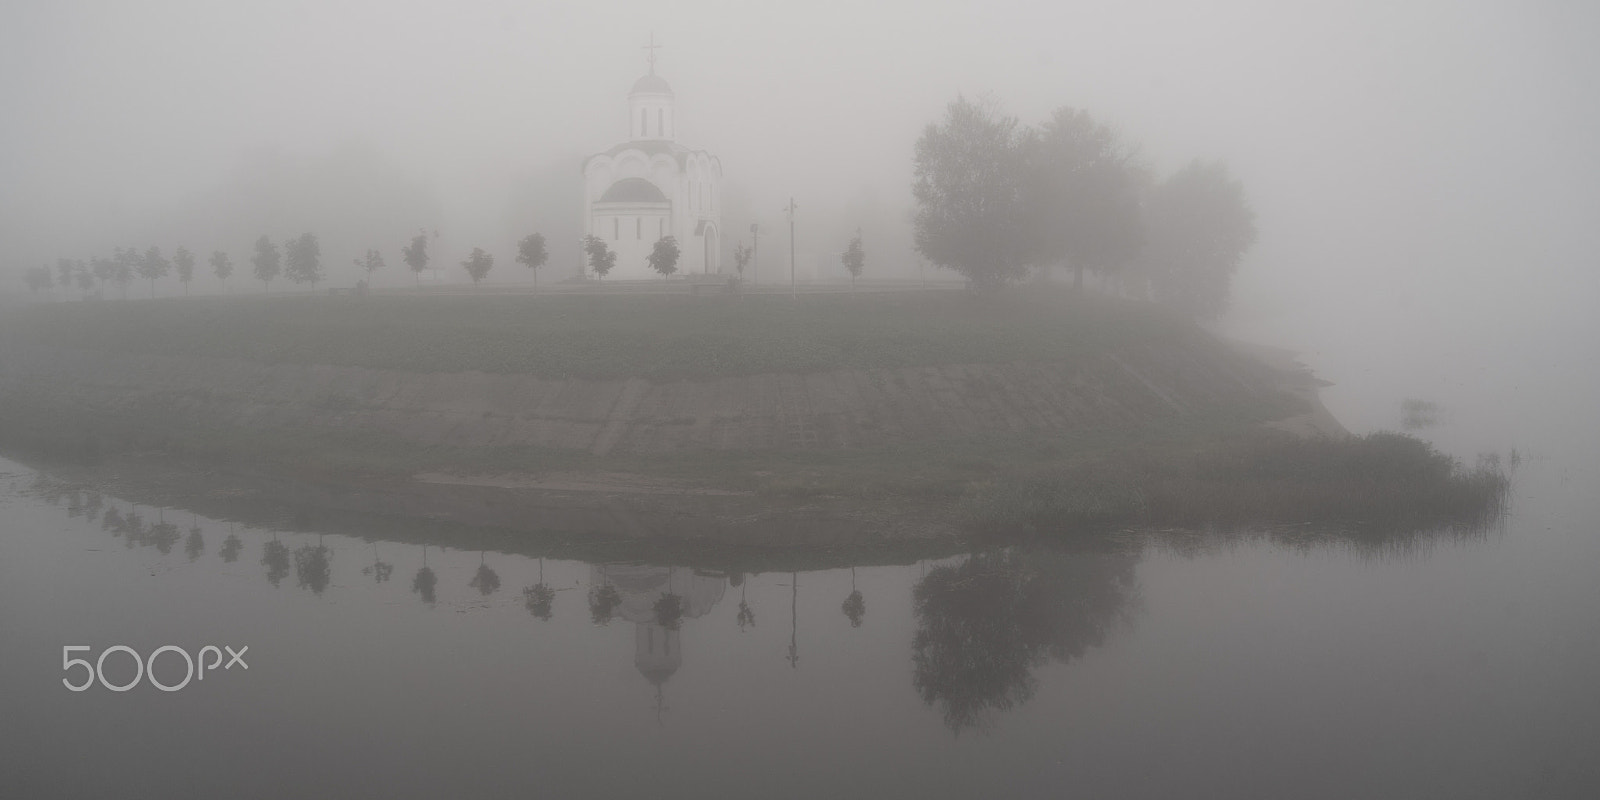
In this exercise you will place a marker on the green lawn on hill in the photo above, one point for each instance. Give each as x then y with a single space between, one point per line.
607 336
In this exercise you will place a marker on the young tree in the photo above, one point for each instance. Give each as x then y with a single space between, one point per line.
126 261
970 187
1200 226
184 261
855 258
416 255
153 266
222 267
664 256
741 258
531 253
303 263
601 258
267 261
1085 198
370 264
478 265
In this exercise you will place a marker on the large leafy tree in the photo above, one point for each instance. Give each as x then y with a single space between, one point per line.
152 266
971 191
104 269
531 253
601 257
39 279
664 256
267 262
64 267
416 255
1200 225
84 276
1084 198
304 259
478 265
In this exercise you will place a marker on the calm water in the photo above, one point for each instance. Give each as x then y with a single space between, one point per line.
1166 666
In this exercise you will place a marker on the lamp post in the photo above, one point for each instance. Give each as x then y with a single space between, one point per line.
755 253
791 209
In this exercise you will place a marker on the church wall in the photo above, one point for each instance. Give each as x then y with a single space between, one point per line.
632 230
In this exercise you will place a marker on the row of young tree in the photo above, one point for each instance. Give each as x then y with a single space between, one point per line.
602 259
664 255
299 260
997 201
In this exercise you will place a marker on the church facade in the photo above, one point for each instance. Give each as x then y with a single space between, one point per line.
650 187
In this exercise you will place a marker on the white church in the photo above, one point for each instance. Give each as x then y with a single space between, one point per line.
650 187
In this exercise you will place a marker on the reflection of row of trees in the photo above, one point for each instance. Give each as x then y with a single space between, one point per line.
313 568
984 624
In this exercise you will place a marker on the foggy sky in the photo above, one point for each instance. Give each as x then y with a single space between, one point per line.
1427 170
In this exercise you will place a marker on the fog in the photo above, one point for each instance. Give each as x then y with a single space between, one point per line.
1425 177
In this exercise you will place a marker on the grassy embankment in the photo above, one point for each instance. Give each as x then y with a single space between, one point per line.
1217 468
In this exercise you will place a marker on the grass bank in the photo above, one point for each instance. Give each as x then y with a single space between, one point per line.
607 336
1379 482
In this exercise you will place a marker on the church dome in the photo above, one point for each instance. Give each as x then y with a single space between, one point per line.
633 190
651 84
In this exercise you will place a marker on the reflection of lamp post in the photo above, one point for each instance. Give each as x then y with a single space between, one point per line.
794 620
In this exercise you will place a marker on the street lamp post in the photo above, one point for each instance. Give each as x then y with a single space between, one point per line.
791 209
755 253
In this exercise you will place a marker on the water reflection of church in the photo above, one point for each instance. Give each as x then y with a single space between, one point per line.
657 600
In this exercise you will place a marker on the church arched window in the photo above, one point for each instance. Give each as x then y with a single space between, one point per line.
616 223
638 227
644 119
661 227
661 128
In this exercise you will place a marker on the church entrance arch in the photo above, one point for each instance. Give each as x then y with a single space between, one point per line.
711 249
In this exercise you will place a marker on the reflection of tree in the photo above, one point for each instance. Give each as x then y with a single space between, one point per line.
485 580
603 600
669 610
380 569
985 624
855 606
275 556
311 567
540 598
425 581
745 615
132 528
195 544
163 534
231 547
